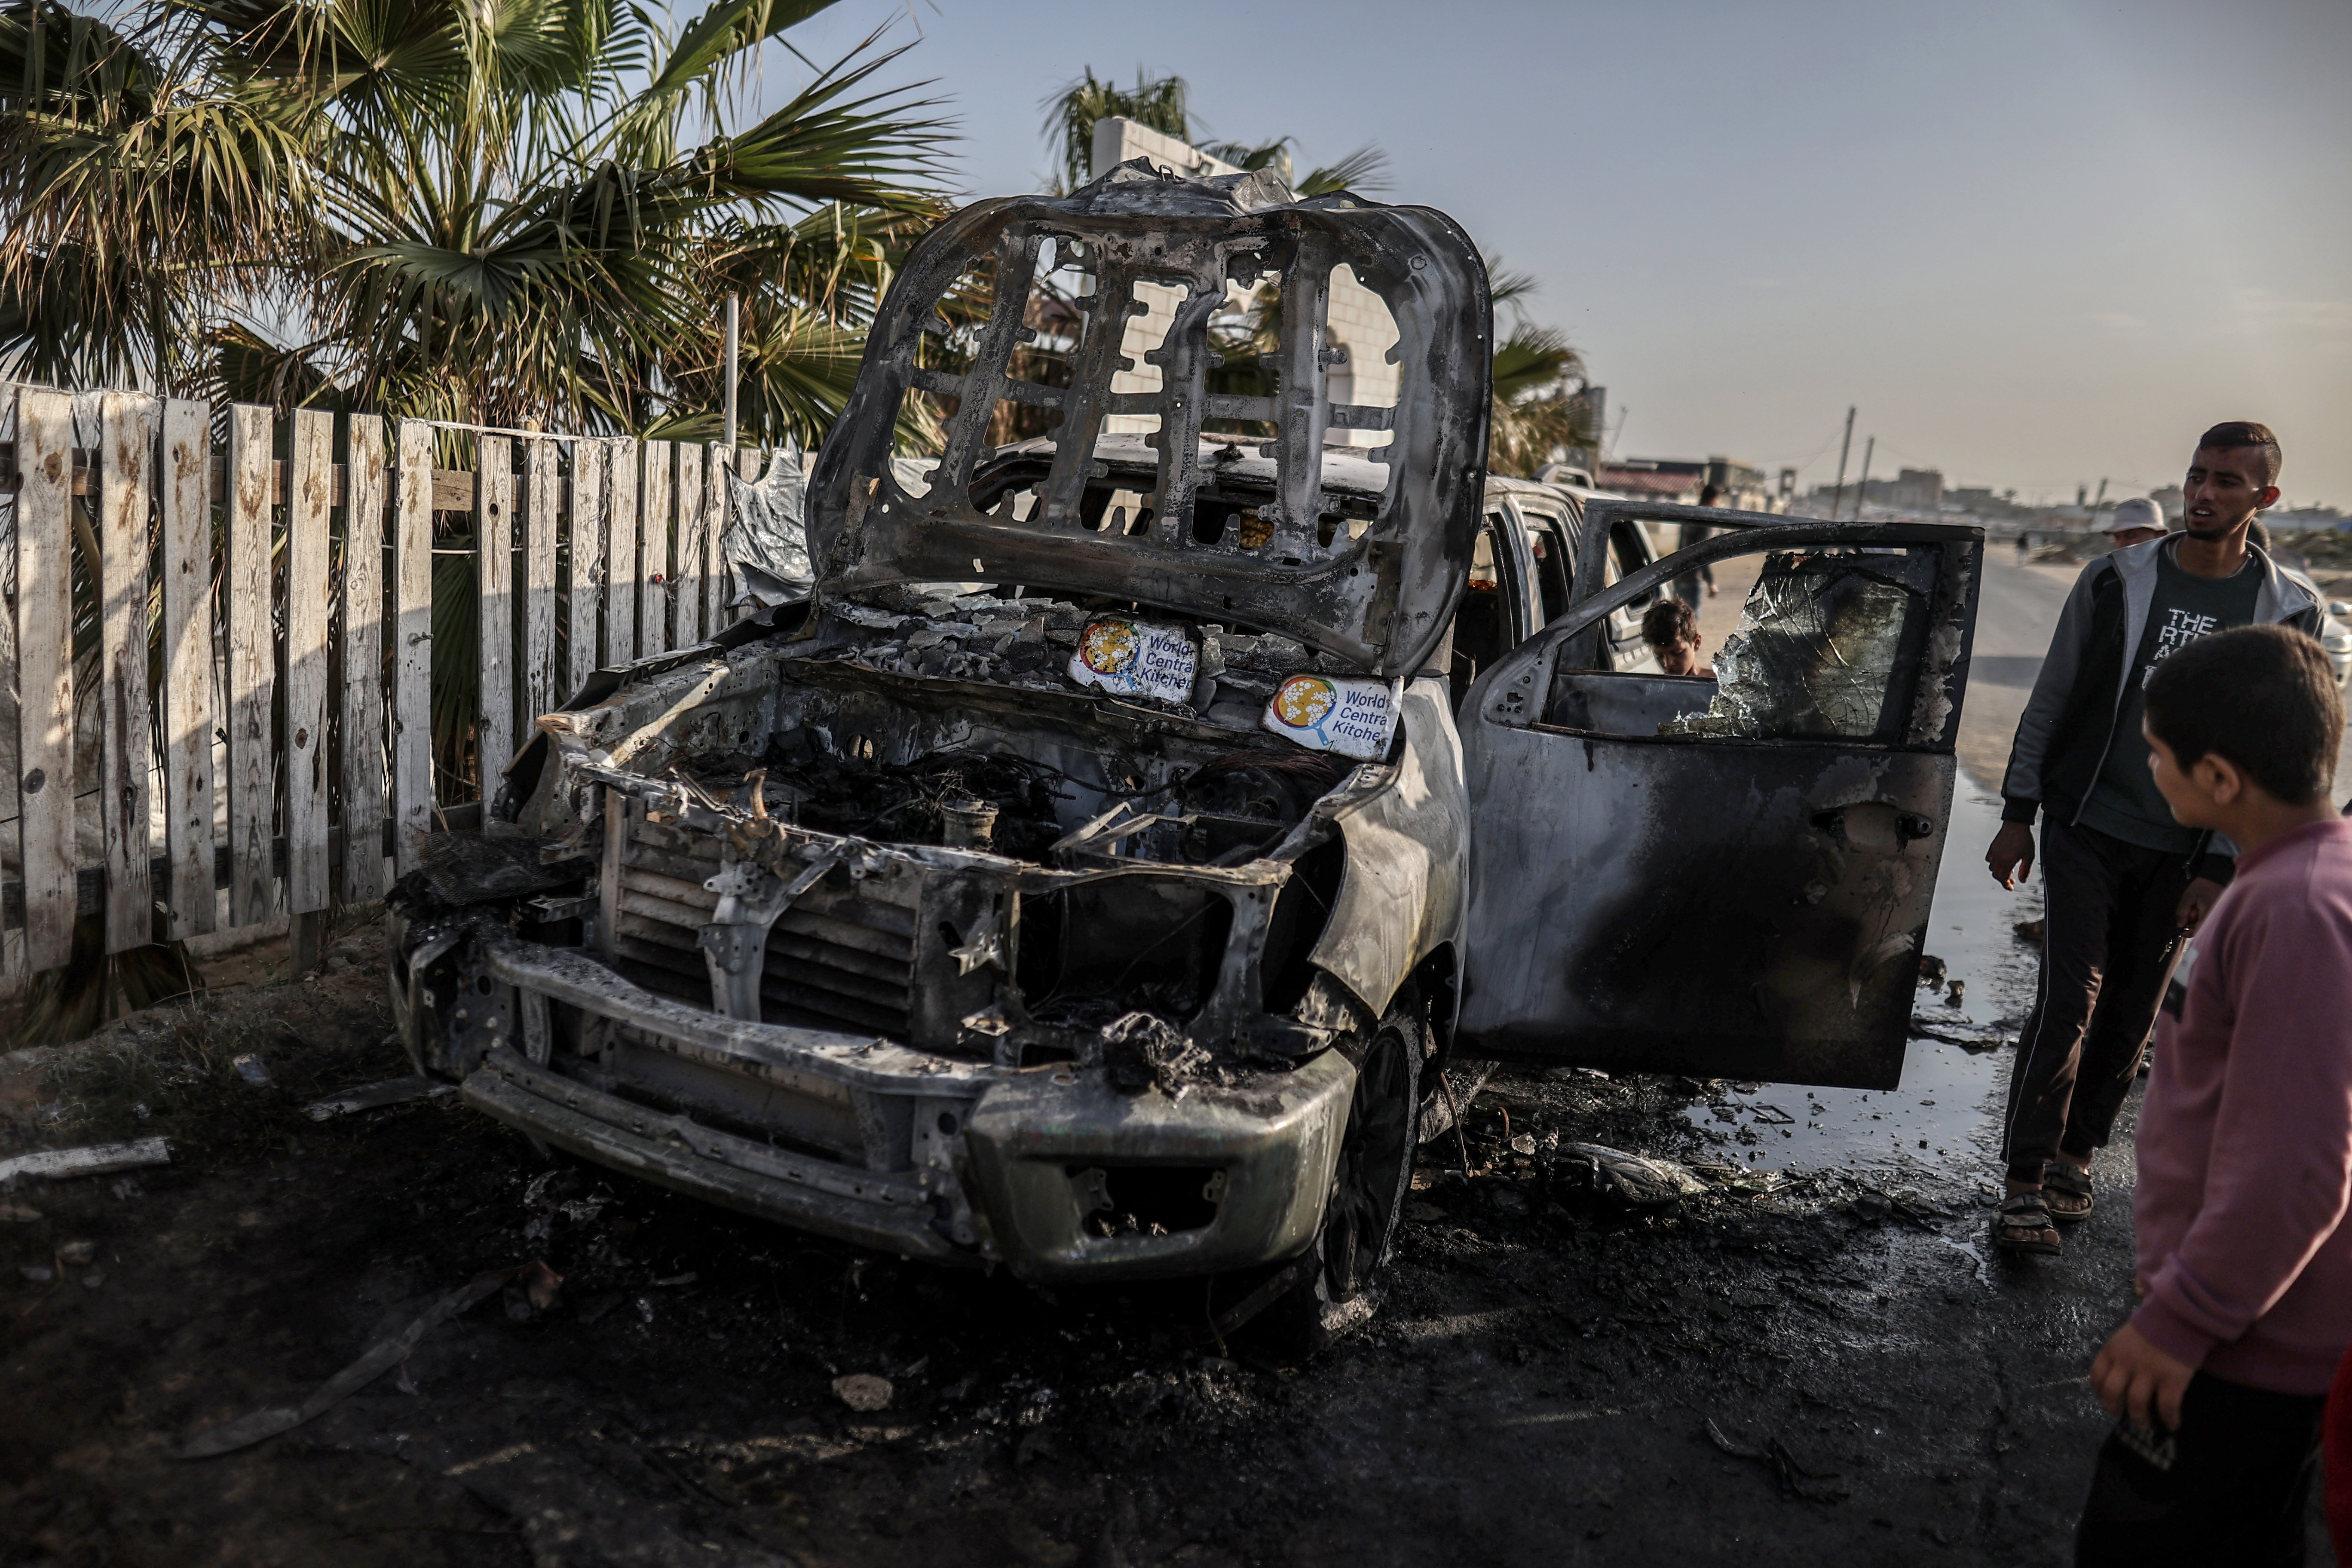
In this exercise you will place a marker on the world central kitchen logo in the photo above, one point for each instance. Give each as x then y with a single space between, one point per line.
1303 700
1134 657
1110 646
1352 717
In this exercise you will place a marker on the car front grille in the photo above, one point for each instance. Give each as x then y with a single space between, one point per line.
842 957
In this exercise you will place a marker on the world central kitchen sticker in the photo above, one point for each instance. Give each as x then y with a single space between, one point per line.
1333 713
1133 658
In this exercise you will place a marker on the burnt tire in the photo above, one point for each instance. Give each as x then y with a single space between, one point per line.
1369 1184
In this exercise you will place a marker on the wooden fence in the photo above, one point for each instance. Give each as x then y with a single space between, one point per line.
217 660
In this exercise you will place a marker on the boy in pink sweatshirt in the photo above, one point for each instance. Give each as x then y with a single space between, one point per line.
2245 1138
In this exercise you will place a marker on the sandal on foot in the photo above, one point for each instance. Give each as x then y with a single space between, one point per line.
2073 1185
2021 1224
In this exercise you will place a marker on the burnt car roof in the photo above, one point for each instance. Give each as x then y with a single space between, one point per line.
1377 590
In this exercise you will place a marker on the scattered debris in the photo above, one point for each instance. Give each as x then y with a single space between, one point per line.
1642 1180
378 1359
1794 1478
2029 930
863 1391
375 1096
1741 1179
1952 997
253 1069
19 1214
1140 1049
77 1253
38 1273
1931 970
94 1160
1957 1031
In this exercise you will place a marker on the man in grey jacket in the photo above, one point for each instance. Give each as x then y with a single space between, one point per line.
2124 884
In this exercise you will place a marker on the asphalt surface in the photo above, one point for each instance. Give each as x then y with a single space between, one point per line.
1820 1359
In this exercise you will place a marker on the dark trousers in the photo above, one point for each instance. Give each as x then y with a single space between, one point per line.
2235 1492
2110 936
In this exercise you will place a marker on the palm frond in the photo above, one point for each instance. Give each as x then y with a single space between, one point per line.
722 32
1365 169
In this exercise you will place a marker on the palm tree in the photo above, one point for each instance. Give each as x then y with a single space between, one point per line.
1540 413
509 212
1070 115
502 211
1163 103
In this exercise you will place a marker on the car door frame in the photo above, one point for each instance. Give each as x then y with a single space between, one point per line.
1559 870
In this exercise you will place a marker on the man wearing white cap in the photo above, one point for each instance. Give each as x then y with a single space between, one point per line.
2136 522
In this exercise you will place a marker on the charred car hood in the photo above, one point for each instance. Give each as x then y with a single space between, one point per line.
1358 552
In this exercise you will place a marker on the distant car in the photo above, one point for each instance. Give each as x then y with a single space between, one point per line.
2337 638
1523 575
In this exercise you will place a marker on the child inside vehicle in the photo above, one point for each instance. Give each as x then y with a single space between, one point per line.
1670 628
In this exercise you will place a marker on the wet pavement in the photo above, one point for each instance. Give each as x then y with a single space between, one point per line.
1944 1118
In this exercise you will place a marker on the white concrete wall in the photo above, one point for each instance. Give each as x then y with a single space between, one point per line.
1357 320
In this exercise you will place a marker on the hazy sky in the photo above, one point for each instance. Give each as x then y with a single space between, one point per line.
2037 244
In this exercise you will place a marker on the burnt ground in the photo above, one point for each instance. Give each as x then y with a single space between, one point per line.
1836 1367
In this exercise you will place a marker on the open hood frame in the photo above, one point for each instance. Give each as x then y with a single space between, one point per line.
1379 594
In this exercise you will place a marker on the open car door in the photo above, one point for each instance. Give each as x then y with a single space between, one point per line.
1722 877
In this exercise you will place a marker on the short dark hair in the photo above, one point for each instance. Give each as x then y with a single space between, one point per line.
1668 624
2238 435
2263 697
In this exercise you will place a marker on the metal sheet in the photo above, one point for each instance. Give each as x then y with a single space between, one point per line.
1743 896
1378 595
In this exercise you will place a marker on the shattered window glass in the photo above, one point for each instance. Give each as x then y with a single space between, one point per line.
1822 653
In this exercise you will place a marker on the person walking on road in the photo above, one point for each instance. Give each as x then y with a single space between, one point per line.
1692 586
2136 522
2219 1380
2125 883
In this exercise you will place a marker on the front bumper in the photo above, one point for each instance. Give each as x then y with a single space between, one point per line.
904 1150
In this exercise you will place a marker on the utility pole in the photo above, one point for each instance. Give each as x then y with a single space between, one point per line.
734 343
1861 490
1844 446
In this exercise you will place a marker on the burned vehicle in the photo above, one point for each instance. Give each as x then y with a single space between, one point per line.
1088 878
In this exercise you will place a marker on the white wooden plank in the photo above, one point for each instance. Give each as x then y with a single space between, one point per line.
747 465
654 551
685 594
714 523
126 500
187 663
622 573
310 497
11 819
92 1160
412 644
494 555
45 672
252 686
538 584
362 660
584 548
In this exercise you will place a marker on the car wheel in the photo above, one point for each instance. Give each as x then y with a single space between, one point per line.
1375 1167
1367 1187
